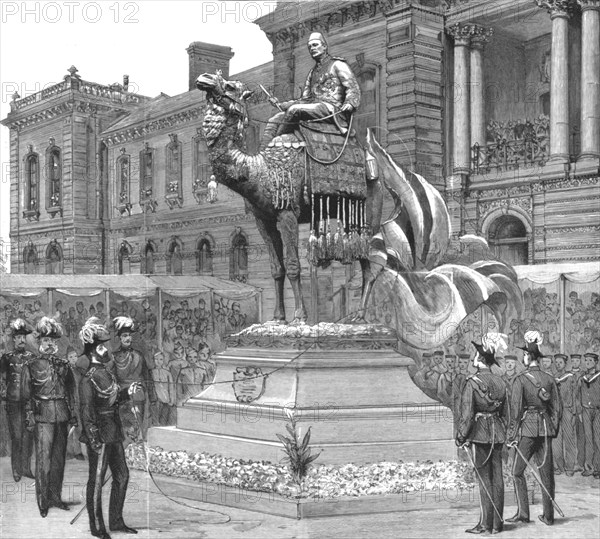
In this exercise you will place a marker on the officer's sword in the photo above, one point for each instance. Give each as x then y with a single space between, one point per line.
539 480
483 484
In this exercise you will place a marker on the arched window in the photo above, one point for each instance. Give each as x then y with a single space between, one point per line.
148 258
124 255
31 207
53 178
30 259
175 257
200 167
54 259
238 256
174 178
204 256
147 197
123 182
507 237
368 80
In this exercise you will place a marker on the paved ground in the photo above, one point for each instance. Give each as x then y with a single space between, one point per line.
158 517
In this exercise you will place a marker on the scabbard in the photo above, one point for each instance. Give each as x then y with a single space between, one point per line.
98 488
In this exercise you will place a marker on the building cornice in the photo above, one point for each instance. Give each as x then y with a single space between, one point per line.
143 129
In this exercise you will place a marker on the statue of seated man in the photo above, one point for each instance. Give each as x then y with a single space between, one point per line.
331 93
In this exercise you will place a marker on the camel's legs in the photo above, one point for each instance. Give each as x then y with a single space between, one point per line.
287 224
272 238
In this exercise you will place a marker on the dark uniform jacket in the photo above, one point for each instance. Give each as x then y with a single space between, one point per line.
483 409
99 396
12 364
535 405
589 390
48 386
130 366
567 388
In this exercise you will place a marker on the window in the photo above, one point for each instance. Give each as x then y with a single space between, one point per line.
54 178
174 175
366 115
238 257
148 258
508 240
54 259
123 182
146 174
125 251
204 257
30 259
32 184
175 257
200 167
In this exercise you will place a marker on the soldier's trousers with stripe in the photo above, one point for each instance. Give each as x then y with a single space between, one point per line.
541 447
489 468
564 446
114 458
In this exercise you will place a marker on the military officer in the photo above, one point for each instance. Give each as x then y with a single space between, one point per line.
589 398
47 386
564 445
580 435
131 366
481 423
535 412
99 396
11 366
331 92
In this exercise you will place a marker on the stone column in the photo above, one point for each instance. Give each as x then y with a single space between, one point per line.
590 79
478 123
461 156
560 11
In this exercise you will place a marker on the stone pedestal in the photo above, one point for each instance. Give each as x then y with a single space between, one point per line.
354 393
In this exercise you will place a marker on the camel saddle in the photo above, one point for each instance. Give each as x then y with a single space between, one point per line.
336 162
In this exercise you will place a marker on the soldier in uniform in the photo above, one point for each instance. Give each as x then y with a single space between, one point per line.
535 412
589 398
579 434
444 389
331 92
481 423
131 366
99 396
47 386
564 445
11 367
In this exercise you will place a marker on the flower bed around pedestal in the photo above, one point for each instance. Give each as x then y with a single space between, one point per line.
321 482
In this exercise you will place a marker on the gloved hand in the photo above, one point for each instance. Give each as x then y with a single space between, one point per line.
512 443
462 441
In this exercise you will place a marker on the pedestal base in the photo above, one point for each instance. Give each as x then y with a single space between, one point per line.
356 396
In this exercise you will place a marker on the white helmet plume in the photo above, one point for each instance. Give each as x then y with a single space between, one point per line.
533 336
494 342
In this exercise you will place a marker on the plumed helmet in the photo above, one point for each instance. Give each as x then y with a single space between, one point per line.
124 324
491 344
19 327
93 333
533 339
48 327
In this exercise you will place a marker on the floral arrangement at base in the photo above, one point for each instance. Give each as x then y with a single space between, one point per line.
349 480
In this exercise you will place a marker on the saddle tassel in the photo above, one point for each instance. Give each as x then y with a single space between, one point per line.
312 240
338 249
321 246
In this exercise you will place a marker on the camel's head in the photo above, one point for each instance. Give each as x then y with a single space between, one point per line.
226 105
